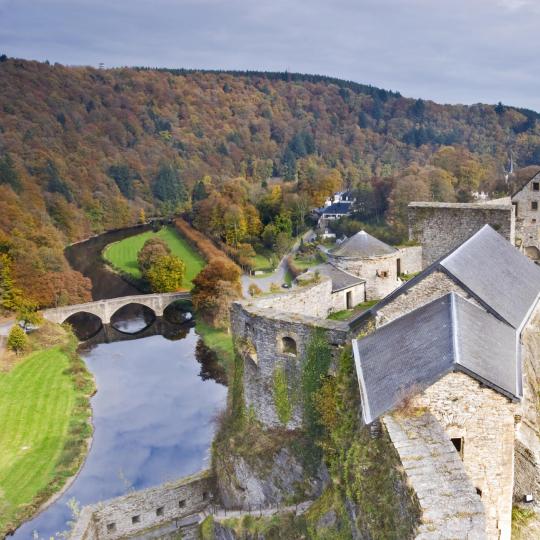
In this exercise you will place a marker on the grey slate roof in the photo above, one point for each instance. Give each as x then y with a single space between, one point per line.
409 354
496 273
362 246
340 279
338 208
492 270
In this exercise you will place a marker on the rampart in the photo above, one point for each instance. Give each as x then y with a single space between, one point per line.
441 227
139 511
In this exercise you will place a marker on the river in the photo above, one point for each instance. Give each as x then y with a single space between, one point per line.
153 412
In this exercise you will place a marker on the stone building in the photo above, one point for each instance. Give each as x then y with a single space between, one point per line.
374 261
526 202
440 227
450 341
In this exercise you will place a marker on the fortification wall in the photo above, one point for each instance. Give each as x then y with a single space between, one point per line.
483 420
380 273
312 300
426 290
142 510
450 507
441 227
269 341
411 259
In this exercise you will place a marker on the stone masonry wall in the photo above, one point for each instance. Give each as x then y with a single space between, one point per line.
339 298
258 334
484 421
441 227
450 506
528 218
411 259
430 288
142 510
311 300
380 273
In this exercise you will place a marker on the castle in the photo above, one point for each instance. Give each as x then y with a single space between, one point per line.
446 362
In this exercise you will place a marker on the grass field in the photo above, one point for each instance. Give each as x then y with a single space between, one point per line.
123 255
346 314
43 426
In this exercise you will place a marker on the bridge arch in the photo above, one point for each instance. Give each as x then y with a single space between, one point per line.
135 320
85 325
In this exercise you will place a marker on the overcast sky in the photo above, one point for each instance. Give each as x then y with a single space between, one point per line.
451 51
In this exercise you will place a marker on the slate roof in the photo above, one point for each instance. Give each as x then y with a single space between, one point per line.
492 270
362 246
338 208
340 279
409 354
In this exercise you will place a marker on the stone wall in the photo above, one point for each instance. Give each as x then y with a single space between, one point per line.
310 300
426 290
411 259
528 218
142 510
339 298
262 337
483 420
380 273
441 227
450 506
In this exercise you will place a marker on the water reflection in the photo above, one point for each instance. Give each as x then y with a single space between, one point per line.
132 318
152 415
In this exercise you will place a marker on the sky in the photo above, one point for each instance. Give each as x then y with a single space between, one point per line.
450 51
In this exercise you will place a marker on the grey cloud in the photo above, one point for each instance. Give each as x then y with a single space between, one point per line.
450 51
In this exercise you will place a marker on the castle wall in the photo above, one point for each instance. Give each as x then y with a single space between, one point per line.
411 259
380 273
450 506
484 421
259 335
430 288
527 218
441 227
113 519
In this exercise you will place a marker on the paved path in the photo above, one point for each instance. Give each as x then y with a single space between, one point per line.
278 275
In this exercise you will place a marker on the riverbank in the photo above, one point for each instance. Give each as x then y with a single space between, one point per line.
45 423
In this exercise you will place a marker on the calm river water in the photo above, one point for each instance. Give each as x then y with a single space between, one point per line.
154 408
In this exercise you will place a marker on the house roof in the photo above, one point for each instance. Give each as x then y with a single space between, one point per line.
362 246
528 178
340 279
409 354
492 270
338 208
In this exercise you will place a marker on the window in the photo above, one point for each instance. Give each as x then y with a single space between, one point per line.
160 511
398 264
458 445
135 519
288 345
182 503
534 205
111 527
533 220
479 492
205 495
382 273
536 186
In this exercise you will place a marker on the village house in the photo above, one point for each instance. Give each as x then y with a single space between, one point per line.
526 201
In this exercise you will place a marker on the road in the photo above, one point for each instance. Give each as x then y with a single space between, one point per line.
278 275
5 327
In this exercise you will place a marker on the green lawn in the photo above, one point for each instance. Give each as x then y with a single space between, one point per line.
38 414
123 254
346 314
263 261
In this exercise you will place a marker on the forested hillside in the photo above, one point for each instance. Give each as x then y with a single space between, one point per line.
84 150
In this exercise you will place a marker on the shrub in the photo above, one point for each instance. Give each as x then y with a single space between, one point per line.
17 339
166 274
254 290
152 250
281 396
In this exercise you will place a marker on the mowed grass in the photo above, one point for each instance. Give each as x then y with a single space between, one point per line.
37 401
122 255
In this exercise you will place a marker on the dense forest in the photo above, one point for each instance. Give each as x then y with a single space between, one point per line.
244 156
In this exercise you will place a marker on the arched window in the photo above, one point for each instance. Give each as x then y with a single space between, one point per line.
288 345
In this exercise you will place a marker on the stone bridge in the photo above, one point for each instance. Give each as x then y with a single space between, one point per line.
105 309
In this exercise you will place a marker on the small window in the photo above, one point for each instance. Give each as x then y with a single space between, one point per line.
111 527
536 186
458 445
533 220
160 511
534 205
182 503
135 519
205 495
479 492
289 345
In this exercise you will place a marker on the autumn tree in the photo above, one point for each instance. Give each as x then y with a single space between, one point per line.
215 287
153 249
17 339
166 274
